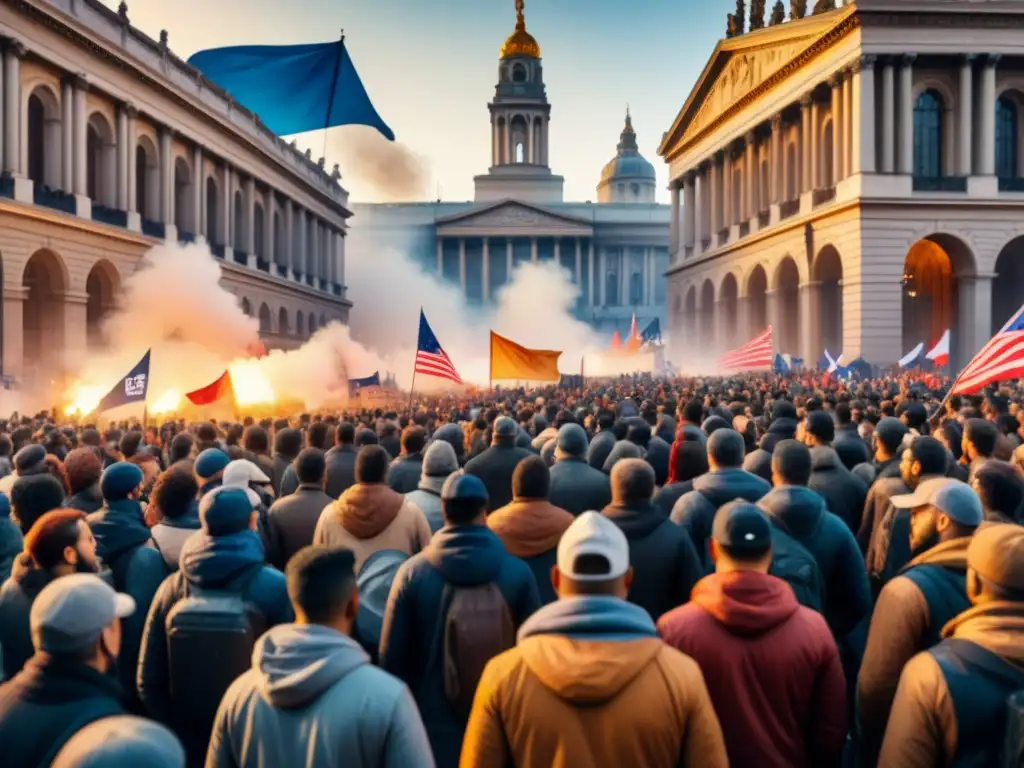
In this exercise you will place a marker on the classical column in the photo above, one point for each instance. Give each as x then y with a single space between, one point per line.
816 169
964 112
485 270
67 134
864 111
905 100
805 143
198 190
603 283
728 177
289 233
775 162
624 277
270 238
974 302
250 218
131 115
558 253
987 122
12 303
689 213
301 255
836 84
714 193
122 159
773 311
225 211
440 256
579 263
13 51
462 264
723 339
166 175
743 332
81 136
590 273
848 118
509 260
533 250
888 117
750 177
810 321
75 314
674 217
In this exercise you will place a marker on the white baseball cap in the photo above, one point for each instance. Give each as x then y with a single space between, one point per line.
593 534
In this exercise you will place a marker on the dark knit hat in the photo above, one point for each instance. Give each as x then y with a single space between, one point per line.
210 462
119 480
890 432
821 425
34 496
225 511
27 461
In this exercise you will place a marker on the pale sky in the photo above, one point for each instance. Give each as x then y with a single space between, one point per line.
430 68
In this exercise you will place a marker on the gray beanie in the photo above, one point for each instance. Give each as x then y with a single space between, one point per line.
572 442
439 461
120 741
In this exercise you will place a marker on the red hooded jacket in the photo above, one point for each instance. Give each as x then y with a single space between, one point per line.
771 667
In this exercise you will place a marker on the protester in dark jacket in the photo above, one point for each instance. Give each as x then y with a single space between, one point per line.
340 472
174 511
726 482
404 474
842 490
453 435
665 564
888 437
226 555
11 539
912 608
575 485
59 544
783 426
951 702
530 526
604 440
748 634
125 545
68 683
287 444
291 521
691 459
32 497
84 468
495 466
465 553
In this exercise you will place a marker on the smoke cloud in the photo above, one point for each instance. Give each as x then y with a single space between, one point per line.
385 171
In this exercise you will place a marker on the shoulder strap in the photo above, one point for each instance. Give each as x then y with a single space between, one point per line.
943 590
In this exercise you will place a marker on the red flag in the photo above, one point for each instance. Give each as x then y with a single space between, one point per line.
211 393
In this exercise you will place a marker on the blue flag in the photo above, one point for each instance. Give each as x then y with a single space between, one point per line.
131 389
652 332
293 88
354 385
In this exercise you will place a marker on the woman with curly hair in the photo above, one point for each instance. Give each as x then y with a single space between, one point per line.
174 510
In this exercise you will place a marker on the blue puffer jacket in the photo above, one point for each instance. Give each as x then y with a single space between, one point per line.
412 642
232 563
695 511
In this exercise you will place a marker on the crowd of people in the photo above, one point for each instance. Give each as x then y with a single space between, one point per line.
759 571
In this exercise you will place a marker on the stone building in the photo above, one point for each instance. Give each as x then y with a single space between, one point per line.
853 179
111 144
615 250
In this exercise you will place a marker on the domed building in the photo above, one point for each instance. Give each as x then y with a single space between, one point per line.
614 250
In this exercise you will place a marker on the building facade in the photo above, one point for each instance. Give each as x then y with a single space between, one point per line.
854 179
615 251
111 145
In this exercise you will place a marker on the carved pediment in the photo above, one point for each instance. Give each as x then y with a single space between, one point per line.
512 215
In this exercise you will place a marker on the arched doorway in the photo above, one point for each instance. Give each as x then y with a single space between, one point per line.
1008 285
728 297
102 287
828 274
300 323
147 181
931 300
183 218
787 298
283 326
45 277
757 303
312 323
266 324
707 314
213 233
100 161
44 138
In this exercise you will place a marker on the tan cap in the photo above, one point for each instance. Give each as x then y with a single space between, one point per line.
996 552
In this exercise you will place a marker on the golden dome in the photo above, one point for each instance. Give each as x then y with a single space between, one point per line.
520 42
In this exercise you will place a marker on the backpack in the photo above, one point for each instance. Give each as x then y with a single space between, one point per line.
374 585
210 639
476 626
793 563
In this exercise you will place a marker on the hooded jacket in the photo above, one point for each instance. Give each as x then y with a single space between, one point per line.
125 545
665 564
801 512
88 501
48 702
412 644
16 597
232 563
695 511
577 487
171 533
759 462
843 491
589 684
902 625
599 448
494 467
292 521
368 518
428 498
530 530
313 699
925 728
747 633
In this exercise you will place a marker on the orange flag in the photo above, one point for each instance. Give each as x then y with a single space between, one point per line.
214 392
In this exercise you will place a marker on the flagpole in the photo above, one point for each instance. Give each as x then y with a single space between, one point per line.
334 85
412 386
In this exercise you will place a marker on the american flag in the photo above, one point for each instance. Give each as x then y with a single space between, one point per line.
755 354
431 359
1002 358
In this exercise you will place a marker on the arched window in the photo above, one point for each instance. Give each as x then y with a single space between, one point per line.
518 73
928 135
1006 138
519 152
636 289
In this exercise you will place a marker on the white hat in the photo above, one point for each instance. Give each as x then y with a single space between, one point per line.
593 534
240 473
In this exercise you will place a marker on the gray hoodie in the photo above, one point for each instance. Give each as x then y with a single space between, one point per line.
313 700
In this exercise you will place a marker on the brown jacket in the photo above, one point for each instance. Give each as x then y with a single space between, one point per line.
898 628
369 518
555 702
529 527
922 731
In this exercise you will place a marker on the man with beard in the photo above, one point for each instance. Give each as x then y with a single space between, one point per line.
914 606
60 543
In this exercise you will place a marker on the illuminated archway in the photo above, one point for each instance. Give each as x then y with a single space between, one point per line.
828 273
757 303
728 298
1008 284
46 279
707 313
266 322
690 316
787 298
102 287
283 326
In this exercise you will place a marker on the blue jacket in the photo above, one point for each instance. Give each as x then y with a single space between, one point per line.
16 597
125 545
232 563
695 511
412 646
577 487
